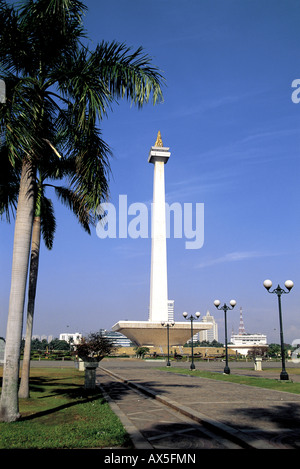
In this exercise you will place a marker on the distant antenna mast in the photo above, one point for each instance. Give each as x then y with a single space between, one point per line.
241 327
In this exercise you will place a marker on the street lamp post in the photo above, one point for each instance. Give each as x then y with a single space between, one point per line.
225 308
280 291
167 325
192 319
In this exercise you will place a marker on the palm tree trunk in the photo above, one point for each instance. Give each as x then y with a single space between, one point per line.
33 274
9 405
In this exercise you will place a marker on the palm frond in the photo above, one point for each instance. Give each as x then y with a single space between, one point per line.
52 29
79 80
13 41
9 186
92 174
57 90
48 222
75 202
128 74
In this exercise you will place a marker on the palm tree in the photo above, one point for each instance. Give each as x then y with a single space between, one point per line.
33 273
44 223
57 91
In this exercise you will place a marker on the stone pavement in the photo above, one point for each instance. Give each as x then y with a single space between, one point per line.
164 410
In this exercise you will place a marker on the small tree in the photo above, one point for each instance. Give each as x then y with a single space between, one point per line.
92 349
274 350
141 351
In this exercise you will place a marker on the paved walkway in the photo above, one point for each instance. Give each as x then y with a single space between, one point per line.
164 410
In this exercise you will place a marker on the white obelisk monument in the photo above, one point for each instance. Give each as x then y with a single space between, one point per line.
158 310
151 332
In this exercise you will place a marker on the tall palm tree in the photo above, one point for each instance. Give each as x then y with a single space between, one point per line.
44 223
57 91
33 274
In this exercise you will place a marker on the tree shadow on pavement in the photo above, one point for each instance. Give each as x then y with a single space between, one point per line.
286 418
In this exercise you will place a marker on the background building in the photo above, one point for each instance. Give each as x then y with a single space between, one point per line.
171 310
117 339
210 334
48 338
207 335
75 338
243 343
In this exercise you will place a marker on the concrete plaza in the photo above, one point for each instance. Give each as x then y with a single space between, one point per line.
176 411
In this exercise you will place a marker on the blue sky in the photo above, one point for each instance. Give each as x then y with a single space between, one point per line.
233 132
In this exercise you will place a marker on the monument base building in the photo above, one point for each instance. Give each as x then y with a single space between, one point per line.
146 333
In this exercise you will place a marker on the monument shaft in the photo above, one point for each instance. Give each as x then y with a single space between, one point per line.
158 311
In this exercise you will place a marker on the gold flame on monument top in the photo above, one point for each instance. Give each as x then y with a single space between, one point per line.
158 142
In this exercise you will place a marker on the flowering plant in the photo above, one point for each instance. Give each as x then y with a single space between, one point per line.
94 347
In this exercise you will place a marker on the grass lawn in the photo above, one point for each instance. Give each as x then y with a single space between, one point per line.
266 383
60 413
